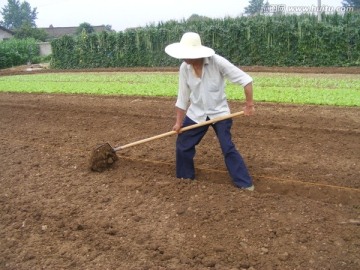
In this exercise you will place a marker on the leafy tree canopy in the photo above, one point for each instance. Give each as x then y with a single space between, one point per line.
108 28
351 3
15 14
85 26
255 7
27 31
196 17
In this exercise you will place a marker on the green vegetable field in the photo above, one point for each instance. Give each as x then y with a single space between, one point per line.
319 89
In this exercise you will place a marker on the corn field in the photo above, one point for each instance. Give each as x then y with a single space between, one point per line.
281 40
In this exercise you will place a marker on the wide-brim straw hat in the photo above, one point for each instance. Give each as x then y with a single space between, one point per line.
189 47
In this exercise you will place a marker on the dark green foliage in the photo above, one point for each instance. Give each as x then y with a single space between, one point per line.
351 3
15 52
27 31
279 40
16 14
85 27
254 7
64 53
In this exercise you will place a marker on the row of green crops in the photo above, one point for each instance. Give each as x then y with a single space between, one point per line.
340 90
14 52
281 40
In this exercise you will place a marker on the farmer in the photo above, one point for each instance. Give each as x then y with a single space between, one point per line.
202 82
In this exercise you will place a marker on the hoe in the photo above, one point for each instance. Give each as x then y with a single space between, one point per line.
104 155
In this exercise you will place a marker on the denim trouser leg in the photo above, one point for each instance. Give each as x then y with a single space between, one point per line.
233 159
185 152
185 149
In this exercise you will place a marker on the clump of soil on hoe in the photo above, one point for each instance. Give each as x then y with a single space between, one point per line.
102 158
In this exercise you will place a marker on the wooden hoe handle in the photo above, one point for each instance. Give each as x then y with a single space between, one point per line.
216 119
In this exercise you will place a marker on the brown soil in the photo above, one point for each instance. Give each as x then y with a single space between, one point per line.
58 214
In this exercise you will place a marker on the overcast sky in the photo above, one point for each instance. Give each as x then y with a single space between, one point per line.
122 14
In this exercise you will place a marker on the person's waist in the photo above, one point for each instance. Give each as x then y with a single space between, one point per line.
198 116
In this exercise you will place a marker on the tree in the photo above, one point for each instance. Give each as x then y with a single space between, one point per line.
108 28
197 18
27 31
85 26
351 3
15 14
255 7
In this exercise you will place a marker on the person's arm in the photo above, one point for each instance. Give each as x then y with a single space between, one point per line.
249 108
236 75
179 119
182 98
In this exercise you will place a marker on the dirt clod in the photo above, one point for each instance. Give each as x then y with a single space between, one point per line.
102 158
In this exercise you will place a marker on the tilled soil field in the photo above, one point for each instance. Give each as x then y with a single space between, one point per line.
58 214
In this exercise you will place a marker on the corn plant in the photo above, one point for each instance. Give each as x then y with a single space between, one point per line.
279 40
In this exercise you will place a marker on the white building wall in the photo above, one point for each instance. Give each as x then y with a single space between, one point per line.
45 48
4 35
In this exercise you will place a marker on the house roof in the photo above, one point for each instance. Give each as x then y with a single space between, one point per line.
55 32
6 30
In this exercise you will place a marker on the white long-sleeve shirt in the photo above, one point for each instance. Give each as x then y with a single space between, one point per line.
207 94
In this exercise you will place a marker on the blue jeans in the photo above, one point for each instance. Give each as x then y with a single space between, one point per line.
185 152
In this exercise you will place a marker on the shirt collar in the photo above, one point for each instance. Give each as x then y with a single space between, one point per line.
206 62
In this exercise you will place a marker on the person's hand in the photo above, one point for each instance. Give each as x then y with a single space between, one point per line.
177 127
249 109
